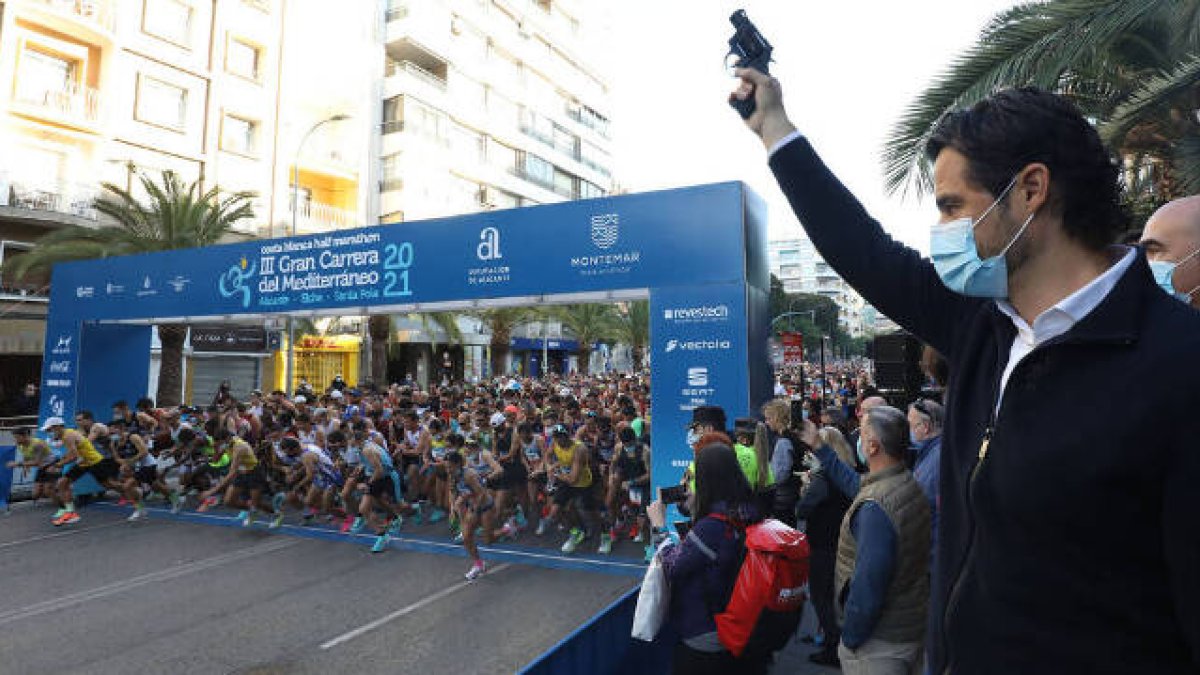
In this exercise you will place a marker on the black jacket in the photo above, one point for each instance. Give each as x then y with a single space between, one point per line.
1074 546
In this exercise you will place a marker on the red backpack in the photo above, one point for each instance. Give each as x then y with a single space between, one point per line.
769 592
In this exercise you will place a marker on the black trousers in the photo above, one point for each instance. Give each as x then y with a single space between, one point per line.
688 661
822 562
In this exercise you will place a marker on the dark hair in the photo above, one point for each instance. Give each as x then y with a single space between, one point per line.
719 478
627 435
87 415
454 457
1012 128
524 428
336 436
289 443
186 436
145 403
122 403
22 431
222 434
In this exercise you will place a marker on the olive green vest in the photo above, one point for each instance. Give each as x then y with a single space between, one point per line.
894 489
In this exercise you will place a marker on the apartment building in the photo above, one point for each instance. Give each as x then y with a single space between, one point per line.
801 269
220 91
491 104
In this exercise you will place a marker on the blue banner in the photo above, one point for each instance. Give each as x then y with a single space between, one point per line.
687 249
700 355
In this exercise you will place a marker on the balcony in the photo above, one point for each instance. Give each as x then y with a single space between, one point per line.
70 199
316 217
71 104
98 14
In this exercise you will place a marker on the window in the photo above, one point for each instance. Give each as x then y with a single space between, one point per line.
42 73
589 190
564 183
566 142
242 58
160 103
169 20
538 170
239 135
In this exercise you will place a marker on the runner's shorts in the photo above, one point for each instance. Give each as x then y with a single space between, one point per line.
104 470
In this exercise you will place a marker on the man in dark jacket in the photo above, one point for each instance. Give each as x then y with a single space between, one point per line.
1057 488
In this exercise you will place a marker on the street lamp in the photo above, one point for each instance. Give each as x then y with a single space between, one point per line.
291 327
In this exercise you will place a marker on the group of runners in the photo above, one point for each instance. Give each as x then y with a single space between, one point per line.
492 461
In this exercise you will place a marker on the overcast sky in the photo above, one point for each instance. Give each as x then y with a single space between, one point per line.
848 69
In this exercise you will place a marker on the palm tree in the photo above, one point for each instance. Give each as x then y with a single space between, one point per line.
174 216
379 328
632 326
1132 66
589 324
500 324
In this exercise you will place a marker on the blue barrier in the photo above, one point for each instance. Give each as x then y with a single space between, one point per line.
603 645
7 454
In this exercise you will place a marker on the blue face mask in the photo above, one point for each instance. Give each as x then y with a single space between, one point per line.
1164 273
912 438
956 258
859 451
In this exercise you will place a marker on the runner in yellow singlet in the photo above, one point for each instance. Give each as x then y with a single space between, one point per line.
83 458
245 485
573 487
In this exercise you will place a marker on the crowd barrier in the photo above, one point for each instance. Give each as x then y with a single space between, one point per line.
603 646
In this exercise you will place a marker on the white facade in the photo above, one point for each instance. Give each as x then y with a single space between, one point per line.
801 269
490 104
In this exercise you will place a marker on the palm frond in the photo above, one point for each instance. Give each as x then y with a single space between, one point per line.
1185 166
1160 92
1036 43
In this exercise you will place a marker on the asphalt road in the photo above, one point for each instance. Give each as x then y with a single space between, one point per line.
164 596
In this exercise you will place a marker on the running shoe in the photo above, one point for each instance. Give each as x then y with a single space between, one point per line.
648 556
246 518
541 528
59 514
640 537
138 513
509 531
635 533
520 518
346 523
122 502
573 540
458 538
66 519
476 570
605 545
419 516
394 527
176 502
357 525
276 521
207 504
381 543
436 516
277 501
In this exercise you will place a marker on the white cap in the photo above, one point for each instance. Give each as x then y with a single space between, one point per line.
336 393
53 422
564 391
498 419
301 399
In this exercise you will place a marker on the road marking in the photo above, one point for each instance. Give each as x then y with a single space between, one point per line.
366 628
61 533
73 599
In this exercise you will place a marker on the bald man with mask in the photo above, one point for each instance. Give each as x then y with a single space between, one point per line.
1172 243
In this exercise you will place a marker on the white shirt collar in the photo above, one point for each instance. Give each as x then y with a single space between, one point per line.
1070 310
